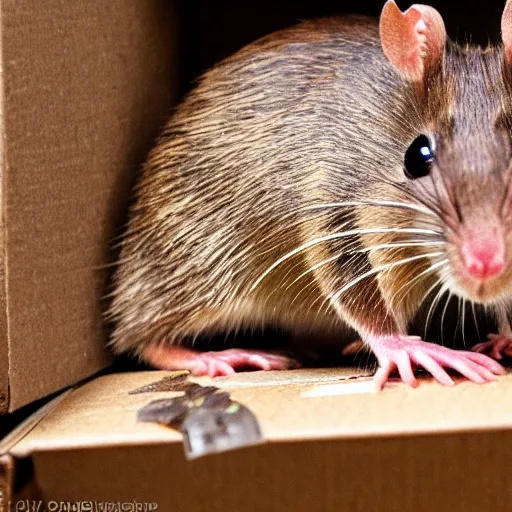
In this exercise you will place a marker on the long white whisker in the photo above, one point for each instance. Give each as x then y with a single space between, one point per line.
450 294
435 285
367 249
272 235
314 267
324 300
380 268
408 206
458 325
475 319
334 236
324 262
463 321
430 269
435 302
405 244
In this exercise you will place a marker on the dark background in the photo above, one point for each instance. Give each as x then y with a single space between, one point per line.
212 30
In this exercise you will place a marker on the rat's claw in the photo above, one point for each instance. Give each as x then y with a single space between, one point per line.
382 374
497 346
401 352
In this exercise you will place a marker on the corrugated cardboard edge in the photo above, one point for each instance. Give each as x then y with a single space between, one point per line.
8 461
26 426
6 480
4 332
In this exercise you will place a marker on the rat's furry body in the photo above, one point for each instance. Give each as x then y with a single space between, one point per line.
251 164
223 192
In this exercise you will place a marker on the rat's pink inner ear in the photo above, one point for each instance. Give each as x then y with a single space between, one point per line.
412 40
506 30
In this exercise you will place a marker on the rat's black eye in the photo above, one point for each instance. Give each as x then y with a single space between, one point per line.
418 158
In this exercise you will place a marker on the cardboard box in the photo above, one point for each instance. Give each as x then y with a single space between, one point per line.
85 89
329 443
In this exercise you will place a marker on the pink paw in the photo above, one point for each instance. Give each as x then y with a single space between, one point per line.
401 352
215 364
498 346
225 362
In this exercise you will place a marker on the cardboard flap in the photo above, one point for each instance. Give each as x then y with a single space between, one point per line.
86 88
290 406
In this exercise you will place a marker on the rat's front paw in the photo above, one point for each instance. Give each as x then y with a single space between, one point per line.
401 352
497 346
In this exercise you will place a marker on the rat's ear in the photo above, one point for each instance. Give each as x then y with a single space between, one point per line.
412 40
506 30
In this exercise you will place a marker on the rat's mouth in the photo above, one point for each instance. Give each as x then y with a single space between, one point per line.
479 290
482 293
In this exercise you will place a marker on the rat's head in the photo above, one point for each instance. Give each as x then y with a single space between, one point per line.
458 162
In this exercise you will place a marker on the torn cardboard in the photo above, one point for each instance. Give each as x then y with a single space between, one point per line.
431 448
85 88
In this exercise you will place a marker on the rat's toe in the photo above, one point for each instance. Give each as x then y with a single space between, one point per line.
383 373
487 362
463 365
497 346
403 363
215 367
434 368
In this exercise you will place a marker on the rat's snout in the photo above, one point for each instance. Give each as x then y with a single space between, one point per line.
483 252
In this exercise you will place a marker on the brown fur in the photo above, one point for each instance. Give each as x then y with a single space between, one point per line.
313 114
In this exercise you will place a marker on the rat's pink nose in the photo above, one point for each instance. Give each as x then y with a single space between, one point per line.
483 259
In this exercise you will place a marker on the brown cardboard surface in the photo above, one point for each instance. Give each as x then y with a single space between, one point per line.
103 412
86 87
433 448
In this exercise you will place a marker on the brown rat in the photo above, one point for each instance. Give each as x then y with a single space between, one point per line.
327 179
